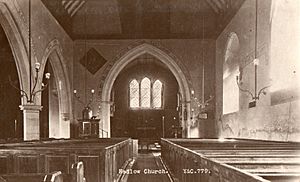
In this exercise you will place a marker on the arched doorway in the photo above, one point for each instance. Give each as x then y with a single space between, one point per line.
165 59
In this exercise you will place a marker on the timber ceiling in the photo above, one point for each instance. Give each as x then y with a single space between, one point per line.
143 19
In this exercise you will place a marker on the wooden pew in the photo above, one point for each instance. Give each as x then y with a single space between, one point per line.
77 175
275 165
101 158
250 158
280 177
23 177
186 165
52 177
64 142
256 158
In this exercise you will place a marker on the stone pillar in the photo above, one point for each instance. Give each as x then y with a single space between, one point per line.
186 119
31 124
105 120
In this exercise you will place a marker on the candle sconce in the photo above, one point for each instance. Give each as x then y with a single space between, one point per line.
87 106
201 105
78 97
32 93
30 96
256 95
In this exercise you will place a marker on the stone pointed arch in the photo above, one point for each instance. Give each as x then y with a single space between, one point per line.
18 46
125 60
53 53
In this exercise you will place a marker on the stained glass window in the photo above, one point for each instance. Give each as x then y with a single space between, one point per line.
134 94
145 92
157 94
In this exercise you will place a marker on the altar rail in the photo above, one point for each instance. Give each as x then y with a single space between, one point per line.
101 157
231 160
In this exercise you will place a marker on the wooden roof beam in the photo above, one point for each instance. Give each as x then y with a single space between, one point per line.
213 6
67 3
73 6
77 8
218 4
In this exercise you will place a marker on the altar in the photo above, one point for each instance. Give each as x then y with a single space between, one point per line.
146 132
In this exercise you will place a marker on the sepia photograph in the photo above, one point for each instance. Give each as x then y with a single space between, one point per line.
149 90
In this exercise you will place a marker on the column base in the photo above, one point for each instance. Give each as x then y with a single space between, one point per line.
31 124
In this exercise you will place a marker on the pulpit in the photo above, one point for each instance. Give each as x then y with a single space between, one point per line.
89 127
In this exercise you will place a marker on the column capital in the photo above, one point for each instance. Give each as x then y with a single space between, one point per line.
106 102
31 107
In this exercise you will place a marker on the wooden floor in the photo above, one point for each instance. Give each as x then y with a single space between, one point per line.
148 163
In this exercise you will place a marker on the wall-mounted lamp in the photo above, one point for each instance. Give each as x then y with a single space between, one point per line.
256 94
200 104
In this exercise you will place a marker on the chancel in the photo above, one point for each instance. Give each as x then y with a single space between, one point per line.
144 90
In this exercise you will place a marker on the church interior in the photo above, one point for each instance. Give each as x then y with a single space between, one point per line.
150 90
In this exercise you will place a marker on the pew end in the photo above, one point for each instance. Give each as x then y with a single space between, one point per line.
56 176
77 172
2 179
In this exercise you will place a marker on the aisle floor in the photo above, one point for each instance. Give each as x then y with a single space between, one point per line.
145 167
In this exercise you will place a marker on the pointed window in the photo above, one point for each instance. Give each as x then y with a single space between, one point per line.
146 93
157 94
134 91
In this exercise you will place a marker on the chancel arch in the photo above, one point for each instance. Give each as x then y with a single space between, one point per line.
127 58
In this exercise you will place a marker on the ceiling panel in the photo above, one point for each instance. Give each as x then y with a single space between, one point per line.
144 19
100 17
